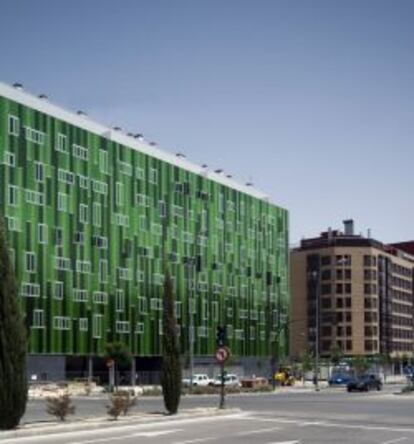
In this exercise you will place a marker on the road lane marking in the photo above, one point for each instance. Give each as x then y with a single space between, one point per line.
258 432
133 435
395 440
121 426
331 424
284 442
193 441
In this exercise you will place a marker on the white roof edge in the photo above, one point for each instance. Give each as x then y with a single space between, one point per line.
86 123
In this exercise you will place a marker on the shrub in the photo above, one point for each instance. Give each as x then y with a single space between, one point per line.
60 406
13 344
121 402
171 365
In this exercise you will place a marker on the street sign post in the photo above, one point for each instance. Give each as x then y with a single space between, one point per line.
222 354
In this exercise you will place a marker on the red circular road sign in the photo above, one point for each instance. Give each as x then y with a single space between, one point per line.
222 354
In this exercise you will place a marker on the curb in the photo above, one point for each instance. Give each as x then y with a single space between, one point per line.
50 428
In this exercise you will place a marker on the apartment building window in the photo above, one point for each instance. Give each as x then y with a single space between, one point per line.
96 214
39 172
62 202
348 316
42 233
103 271
14 125
339 273
97 326
100 297
153 176
326 303
9 159
83 324
348 288
30 290
83 214
61 323
142 305
13 195
326 275
103 162
80 295
325 260
339 289
80 152
119 194
30 261
339 303
38 320
139 328
326 330
62 144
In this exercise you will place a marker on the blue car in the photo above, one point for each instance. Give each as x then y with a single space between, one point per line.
339 379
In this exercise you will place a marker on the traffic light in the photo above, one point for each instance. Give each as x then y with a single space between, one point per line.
221 337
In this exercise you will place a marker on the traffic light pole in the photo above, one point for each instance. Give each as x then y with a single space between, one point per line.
222 391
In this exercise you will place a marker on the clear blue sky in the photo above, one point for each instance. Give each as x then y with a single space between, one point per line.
313 100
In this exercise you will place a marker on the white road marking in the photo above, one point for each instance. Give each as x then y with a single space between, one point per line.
285 442
121 426
331 424
258 432
133 435
395 440
191 441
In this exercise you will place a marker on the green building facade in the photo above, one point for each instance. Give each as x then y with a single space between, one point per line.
93 216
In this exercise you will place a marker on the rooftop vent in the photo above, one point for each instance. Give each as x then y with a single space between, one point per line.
43 96
349 227
153 144
204 165
219 171
117 128
180 155
229 176
249 184
18 85
138 136
81 113
130 134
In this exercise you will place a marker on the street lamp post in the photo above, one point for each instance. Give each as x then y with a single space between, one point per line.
315 279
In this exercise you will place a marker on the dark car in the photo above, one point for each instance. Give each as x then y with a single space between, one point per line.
364 383
339 379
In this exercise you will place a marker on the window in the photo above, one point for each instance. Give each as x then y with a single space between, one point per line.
83 266
30 261
58 290
119 194
153 176
30 290
121 219
125 168
156 304
83 182
9 159
38 320
61 323
103 162
139 328
142 200
39 172
62 144
14 125
80 152
100 187
326 289
339 303
65 176
62 263
80 295
62 202
124 273
83 324
42 233
326 260
100 297
97 326
34 136
13 224
339 288
139 173
97 214
326 303
348 288
83 214
103 271
13 195
142 305
34 197
58 236
122 327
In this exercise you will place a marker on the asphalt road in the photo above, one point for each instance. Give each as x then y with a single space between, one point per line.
289 418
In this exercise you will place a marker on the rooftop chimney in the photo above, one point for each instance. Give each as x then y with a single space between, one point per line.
349 227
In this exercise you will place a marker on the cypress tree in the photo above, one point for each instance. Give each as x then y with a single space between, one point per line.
171 365
13 343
